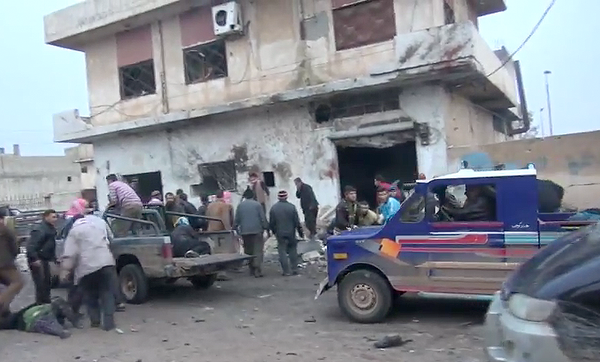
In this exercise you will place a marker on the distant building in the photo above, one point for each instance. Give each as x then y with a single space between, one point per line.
198 94
39 182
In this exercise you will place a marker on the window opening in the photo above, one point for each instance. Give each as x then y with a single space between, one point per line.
205 62
217 176
464 203
363 23
137 80
358 104
269 178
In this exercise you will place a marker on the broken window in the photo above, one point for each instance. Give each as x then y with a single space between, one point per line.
134 59
358 104
137 79
216 176
449 17
205 62
359 23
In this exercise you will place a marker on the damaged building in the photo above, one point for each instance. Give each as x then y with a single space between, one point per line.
197 94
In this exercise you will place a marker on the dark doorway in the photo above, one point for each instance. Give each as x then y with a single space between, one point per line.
145 183
359 165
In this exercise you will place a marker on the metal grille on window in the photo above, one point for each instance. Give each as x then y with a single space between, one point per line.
352 105
137 79
449 17
363 23
205 62
217 176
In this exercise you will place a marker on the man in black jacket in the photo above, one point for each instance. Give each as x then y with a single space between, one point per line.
284 221
41 250
309 205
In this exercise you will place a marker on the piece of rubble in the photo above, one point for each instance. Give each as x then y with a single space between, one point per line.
310 319
311 256
391 340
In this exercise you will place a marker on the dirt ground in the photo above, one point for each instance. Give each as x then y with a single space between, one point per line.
270 319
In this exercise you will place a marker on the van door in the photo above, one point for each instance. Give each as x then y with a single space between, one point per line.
465 256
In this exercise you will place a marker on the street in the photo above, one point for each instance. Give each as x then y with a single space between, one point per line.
270 319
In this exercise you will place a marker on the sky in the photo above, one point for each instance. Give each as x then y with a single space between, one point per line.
38 80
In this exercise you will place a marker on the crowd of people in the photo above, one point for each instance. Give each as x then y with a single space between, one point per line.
88 265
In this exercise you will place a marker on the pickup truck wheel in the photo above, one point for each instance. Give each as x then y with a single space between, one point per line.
365 297
204 282
134 284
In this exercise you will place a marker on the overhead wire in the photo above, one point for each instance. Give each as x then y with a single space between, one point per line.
533 31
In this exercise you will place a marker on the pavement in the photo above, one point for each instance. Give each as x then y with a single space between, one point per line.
270 319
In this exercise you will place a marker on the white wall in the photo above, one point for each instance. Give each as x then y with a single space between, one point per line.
282 139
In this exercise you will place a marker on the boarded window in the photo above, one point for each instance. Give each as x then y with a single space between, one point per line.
134 46
358 104
196 26
205 62
217 176
363 22
136 67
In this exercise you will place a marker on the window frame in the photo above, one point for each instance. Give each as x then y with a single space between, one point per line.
122 88
222 44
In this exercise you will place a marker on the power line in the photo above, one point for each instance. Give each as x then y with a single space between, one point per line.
535 28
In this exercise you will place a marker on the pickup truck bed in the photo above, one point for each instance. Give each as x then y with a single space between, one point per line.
205 264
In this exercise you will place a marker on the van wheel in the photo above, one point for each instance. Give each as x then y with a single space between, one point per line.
204 281
134 284
365 297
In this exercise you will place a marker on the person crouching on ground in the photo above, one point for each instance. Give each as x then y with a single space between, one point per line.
284 222
87 253
46 318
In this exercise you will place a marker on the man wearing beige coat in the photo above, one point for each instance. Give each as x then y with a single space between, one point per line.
87 254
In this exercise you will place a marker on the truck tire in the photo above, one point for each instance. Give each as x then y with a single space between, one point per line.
134 284
204 281
365 297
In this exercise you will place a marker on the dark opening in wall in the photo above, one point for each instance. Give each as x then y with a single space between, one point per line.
145 183
69 179
205 62
269 178
322 113
216 176
137 79
84 169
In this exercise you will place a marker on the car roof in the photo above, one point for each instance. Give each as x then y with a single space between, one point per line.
470 173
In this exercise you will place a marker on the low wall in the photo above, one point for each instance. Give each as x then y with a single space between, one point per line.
573 161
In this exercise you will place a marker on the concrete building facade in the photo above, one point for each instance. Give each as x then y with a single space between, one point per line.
333 91
39 182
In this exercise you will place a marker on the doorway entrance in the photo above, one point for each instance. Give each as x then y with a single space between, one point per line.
358 167
145 183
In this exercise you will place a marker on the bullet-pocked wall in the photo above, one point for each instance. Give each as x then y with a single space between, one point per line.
276 139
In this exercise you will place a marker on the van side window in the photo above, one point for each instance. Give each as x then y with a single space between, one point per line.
464 203
413 209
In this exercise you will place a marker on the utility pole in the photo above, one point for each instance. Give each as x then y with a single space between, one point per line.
549 104
542 121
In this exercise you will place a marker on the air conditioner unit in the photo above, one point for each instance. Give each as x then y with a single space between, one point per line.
227 19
